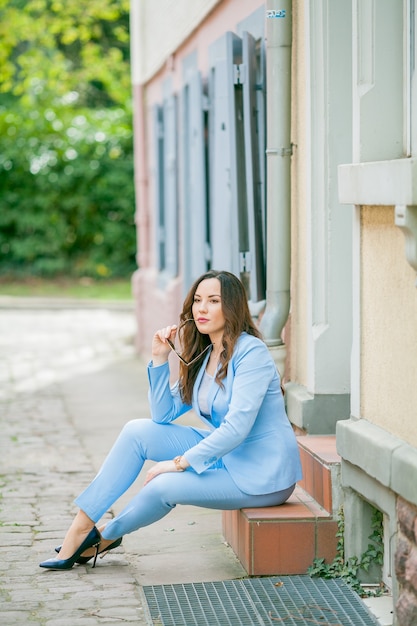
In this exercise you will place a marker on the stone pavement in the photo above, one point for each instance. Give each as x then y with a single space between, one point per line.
69 380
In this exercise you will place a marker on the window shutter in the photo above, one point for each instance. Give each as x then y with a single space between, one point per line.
195 220
254 125
158 134
224 54
170 189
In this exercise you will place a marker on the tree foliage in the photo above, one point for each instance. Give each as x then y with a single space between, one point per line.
66 193
66 156
55 48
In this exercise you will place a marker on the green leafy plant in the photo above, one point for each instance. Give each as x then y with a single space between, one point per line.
71 50
349 569
66 192
66 148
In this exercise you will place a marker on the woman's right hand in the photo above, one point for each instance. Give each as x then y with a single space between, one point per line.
160 346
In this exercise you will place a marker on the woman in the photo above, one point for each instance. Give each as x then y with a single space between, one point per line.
247 455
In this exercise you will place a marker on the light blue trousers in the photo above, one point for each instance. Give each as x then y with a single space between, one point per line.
142 440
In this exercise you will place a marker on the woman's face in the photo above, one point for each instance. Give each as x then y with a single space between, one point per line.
207 307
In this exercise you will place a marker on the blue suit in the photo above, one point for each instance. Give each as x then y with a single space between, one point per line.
250 430
246 455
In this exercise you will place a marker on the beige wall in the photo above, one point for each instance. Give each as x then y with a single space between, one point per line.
160 29
388 327
300 206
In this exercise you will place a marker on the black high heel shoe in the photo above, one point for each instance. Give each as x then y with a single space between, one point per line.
91 541
84 559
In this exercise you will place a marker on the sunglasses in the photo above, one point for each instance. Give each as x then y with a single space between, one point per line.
181 358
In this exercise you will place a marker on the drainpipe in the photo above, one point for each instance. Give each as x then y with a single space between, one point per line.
278 153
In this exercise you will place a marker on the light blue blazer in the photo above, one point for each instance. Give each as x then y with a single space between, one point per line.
249 431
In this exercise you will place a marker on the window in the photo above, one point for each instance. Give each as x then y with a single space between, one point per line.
237 152
221 169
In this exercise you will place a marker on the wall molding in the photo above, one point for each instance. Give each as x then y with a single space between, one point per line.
385 183
317 414
381 455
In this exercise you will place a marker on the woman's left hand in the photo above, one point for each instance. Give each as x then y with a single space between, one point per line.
160 468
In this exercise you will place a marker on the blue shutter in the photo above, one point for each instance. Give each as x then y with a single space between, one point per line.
224 54
254 125
159 217
195 251
170 181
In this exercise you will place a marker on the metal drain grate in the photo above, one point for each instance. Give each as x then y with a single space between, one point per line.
285 600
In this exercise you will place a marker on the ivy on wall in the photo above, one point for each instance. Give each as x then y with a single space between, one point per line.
352 569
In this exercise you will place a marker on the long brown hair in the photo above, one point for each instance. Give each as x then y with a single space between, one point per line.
237 320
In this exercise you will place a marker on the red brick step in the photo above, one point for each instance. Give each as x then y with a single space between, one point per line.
285 539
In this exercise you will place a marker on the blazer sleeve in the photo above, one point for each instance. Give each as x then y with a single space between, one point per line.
251 371
165 402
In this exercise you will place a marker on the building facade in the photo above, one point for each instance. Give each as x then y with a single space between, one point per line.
278 140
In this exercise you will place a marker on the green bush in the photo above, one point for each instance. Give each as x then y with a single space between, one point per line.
66 192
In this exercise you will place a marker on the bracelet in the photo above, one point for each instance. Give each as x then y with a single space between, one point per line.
178 465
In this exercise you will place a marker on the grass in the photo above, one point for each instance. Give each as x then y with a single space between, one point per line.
115 289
